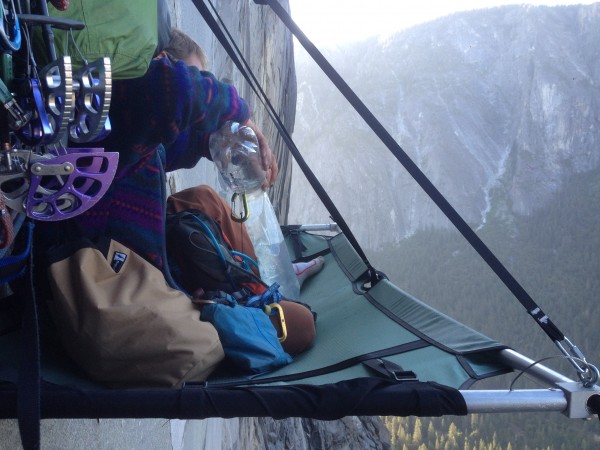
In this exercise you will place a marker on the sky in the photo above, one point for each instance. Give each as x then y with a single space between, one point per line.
333 22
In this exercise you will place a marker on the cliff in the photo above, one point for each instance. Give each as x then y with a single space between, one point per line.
349 433
498 107
267 46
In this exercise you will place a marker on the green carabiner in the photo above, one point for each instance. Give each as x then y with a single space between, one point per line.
245 213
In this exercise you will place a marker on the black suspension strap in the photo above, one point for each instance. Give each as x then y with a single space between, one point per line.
238 59
28 386
493 262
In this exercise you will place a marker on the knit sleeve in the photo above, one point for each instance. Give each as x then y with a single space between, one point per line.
174 105
190 146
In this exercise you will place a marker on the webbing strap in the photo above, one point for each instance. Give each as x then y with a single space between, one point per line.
513 285
28 379
236 55
28 388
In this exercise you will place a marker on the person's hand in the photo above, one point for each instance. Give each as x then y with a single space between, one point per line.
269 162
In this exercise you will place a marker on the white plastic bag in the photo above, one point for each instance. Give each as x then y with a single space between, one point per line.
235 151
269 245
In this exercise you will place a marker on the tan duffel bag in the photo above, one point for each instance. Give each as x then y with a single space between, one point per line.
121 322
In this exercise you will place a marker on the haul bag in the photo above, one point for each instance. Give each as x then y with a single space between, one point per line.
120 321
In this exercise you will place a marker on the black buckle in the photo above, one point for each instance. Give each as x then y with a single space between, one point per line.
391 370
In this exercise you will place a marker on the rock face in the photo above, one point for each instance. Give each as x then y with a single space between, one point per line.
349 433
268 49
497 107
266 46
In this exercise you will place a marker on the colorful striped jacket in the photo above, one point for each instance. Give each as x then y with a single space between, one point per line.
160 122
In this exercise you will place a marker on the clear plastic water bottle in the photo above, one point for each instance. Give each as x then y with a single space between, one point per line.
235 151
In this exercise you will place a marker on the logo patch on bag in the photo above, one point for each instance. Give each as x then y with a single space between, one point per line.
118 260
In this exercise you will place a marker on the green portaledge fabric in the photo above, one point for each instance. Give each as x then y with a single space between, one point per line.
347 258
125 31
353 327
411 313
428 323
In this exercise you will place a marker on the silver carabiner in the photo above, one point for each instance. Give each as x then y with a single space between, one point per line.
589 374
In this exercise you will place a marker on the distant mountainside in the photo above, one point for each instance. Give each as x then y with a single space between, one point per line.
554 253
497 106
500 108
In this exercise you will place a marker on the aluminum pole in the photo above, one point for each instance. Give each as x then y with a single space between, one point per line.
526 400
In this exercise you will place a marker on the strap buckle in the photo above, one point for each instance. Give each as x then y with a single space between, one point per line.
391 370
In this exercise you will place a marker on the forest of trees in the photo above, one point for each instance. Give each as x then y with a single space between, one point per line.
472 433
555 255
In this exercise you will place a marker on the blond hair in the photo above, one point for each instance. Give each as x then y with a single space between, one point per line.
181 46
